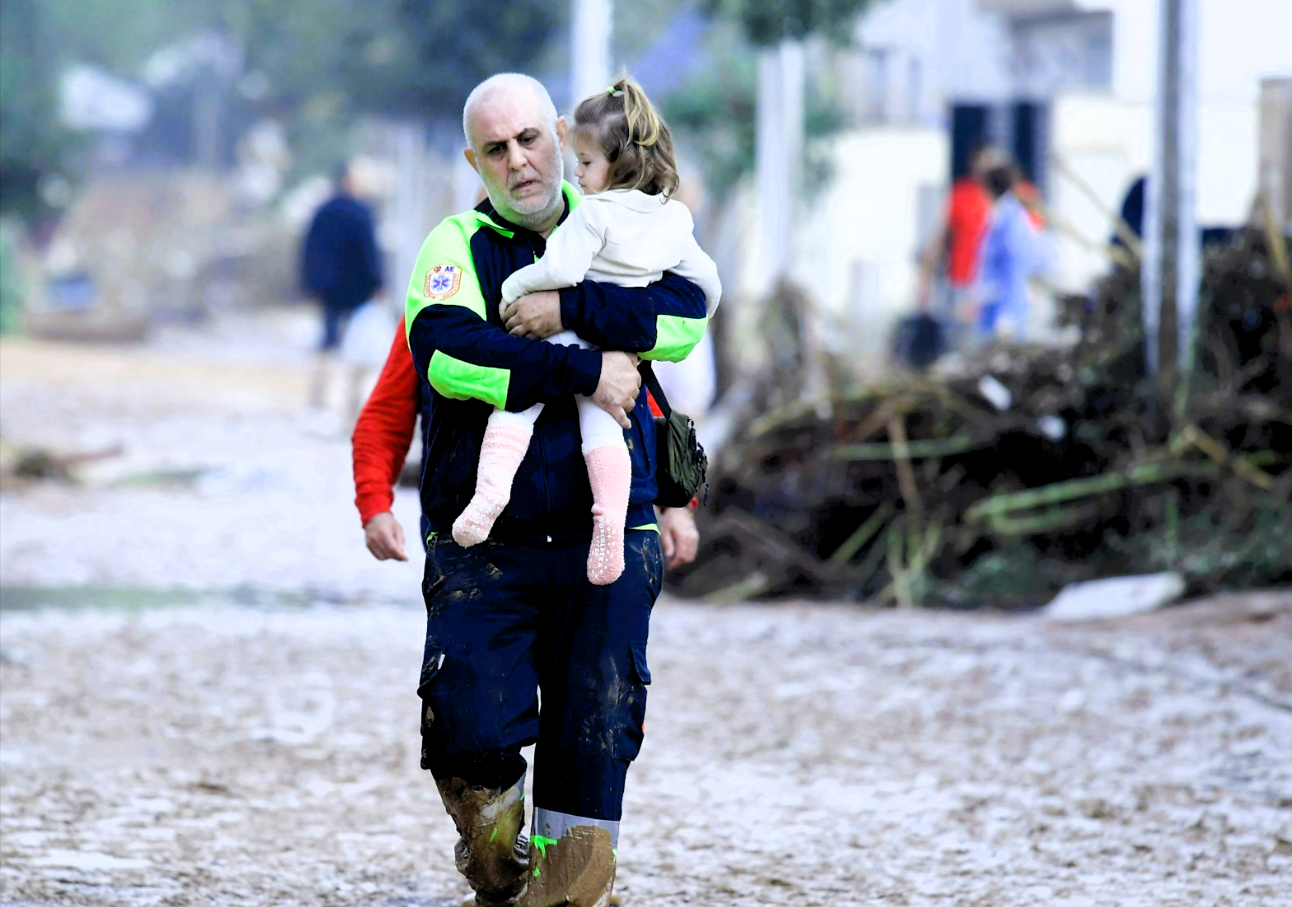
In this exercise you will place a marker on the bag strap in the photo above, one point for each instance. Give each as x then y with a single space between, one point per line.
652 385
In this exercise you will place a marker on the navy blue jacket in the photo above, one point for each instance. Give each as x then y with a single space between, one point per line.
468 364
340 262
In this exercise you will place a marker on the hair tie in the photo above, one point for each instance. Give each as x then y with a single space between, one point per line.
613 92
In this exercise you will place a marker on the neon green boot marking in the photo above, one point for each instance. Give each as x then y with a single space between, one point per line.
542 844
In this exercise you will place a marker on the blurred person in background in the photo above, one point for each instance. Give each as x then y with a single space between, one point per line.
341 269
517 615
1009 256
952 253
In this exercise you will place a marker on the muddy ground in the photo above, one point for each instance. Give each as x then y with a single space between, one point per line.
207 697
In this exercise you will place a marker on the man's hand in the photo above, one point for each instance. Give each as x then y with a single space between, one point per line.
617 390
385 537
678 536
536 316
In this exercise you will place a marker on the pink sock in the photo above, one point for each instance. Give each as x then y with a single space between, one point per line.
610 473
501 451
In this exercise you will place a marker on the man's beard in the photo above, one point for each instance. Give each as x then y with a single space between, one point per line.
535 211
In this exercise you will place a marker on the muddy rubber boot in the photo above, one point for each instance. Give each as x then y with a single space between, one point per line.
576 870
491 852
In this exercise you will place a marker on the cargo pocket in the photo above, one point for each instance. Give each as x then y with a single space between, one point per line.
632 726
637 651
432 661
434 574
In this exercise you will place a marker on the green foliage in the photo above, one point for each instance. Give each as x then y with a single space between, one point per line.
771 21
11 285
32 143
638 25
319 65
332 59
326 64
120 35
454 46
715 110
715 113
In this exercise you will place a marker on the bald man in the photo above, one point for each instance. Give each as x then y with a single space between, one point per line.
516 615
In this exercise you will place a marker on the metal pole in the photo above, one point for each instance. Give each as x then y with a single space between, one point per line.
590 35
778 150
778 153
794 76
772 176
1188 272
1169 279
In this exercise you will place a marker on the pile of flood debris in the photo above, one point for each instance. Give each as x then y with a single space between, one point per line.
1003 476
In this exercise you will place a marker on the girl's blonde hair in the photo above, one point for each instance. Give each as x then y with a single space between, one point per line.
632 135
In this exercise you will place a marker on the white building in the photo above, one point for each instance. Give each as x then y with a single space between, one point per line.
1091 65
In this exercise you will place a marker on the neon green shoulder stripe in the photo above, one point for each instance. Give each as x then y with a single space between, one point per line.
675 337
445 275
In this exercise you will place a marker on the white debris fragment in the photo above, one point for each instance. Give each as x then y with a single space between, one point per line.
997 394
1118 596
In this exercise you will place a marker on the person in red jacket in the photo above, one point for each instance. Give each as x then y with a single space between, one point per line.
382 436
952 253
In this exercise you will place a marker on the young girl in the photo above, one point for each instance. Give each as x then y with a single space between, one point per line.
628 231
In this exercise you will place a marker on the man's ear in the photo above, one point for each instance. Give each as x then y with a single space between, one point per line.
562 131
471 159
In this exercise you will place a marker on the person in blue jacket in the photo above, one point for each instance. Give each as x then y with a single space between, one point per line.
517 614
1008 257
341 269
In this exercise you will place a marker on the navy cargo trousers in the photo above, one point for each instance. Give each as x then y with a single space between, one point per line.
506 621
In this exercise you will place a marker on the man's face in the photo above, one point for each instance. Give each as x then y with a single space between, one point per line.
518 154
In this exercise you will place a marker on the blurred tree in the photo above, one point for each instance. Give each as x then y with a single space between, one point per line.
716 112
316 66
639 24
32 142
322 65
770 21
117 35
400 57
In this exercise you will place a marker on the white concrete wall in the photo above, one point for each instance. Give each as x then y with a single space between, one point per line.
855 248
869 217
1109 143
1239 43
963 53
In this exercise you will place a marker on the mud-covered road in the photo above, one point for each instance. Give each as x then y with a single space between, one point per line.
214 703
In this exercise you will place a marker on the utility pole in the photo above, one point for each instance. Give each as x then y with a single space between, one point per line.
778 149
778 156
1170 275
591 29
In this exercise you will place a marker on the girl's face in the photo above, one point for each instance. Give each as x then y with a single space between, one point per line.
592 170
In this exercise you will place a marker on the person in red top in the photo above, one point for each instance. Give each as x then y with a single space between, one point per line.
382 436
957 241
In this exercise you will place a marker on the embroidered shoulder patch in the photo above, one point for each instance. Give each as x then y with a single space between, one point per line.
442 281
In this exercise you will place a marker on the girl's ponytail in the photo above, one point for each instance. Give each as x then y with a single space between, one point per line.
624 123
644 122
